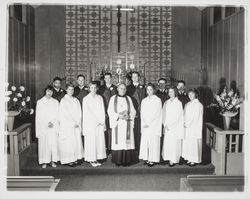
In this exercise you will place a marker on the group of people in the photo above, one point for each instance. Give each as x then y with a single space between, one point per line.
129 122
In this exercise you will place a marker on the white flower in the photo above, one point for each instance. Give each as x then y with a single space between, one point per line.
23 103
27 98
7 99
21 88
8 93
234 101
237 106
14 99
111 88
31 111
141 86
19 95
13 88
86 88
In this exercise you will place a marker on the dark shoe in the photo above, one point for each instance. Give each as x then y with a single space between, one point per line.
182 161
151 164
192 164
71 164
117 164
171 165
146 163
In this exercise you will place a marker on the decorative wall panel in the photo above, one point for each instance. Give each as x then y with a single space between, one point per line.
92 41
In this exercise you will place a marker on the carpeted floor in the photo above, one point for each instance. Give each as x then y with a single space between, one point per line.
109 177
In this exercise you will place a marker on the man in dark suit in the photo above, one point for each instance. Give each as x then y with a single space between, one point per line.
58 92
162 92
107 90
80 91
137 92
183 97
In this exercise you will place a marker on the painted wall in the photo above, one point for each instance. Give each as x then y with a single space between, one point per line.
50 45
223 49
186 48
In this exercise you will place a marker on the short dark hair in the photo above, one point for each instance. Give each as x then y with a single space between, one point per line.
80 75
135 72
70 84
181 81
57 79
48 87
175 90
107 73
151 85
195 91
164 79
94 83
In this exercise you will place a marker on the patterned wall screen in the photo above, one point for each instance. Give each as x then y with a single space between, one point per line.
92 41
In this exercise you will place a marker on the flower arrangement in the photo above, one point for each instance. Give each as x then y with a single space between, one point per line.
227 101
17 101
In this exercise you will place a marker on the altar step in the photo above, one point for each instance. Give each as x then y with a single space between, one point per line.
31 168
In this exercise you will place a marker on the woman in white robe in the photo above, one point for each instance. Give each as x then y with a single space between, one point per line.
47 127
94 126
193 121
121 117
173 128
70 141
151 127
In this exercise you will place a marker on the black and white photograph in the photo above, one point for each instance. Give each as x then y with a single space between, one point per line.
128 97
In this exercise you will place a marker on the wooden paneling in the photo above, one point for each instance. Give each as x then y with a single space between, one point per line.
223 45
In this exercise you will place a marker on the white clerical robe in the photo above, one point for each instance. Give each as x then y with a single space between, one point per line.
70 141
47 110
120 140
173 130
93 116
151 115
192 143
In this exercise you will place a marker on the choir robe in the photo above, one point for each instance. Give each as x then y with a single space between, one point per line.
151 115
163 95
58 94
93 114
70 142
183 97
123 143
137 94
80 93
173 119
192 143
47 110
107 93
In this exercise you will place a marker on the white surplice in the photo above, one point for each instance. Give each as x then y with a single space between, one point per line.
174 133
122 142
70 140
151 115
192 143
93 116
47 110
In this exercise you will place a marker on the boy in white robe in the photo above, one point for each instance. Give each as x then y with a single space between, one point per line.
173 128
121 117
193 121
94 126
151 127
47 127
70 141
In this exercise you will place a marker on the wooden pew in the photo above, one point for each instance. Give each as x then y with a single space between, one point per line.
212 183
32 183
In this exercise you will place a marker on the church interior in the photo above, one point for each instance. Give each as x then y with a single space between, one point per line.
203 46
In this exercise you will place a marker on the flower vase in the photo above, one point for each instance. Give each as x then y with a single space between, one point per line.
227 116
11 118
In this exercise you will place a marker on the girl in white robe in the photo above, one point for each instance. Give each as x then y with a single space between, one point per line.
151 127
121 117
193 121
173 128
47 127
70 141
94 126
